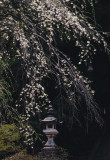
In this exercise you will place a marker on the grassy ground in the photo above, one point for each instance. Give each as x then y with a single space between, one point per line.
23 155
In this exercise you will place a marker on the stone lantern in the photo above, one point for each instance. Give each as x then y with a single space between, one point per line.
50 131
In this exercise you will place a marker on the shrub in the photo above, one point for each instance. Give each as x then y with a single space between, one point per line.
9 139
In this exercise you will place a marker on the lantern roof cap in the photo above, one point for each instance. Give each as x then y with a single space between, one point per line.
51 112
49 119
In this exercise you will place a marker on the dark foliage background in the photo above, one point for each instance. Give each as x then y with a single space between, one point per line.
82 138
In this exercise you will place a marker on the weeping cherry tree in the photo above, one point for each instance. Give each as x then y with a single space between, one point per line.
28 31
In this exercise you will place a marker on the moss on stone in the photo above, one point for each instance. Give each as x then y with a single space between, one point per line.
9 139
